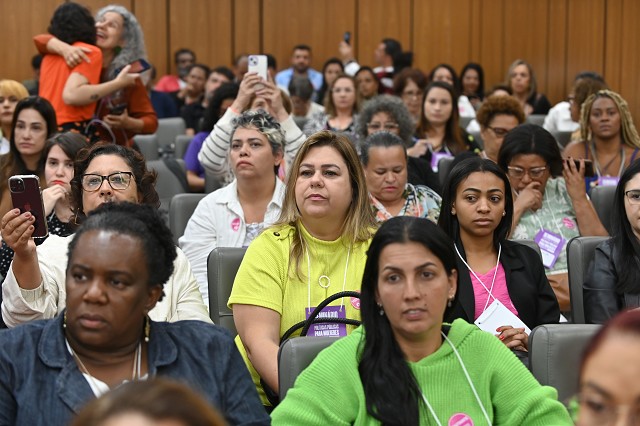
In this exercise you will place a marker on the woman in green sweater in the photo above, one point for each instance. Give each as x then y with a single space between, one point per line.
409 368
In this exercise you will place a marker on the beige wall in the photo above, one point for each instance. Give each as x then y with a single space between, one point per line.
559 37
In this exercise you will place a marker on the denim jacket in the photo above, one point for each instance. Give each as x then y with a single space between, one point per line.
40 383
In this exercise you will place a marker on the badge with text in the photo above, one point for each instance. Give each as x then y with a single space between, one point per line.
436 157
550 245
328 329
608 181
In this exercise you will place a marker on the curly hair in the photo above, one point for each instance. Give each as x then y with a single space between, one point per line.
496 105
395 108
72 22
330 107
359 224
628 132
143 222
145 179
265 124
132 36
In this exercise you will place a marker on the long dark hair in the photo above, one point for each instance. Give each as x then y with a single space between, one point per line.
391 391
453 136
477 68
625 242
322 93
449 222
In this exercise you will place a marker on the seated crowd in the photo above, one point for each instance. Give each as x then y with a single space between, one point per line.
402 196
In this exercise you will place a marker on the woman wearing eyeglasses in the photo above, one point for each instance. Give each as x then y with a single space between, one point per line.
497 116
613 280
35 284
550 202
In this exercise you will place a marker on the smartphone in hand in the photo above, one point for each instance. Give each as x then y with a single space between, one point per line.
347 37
26 196
588 167
258 64
137 66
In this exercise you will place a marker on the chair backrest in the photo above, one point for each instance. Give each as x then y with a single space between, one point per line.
532 244
537 119
211 183
148 145
295 355
171 181
562 137
168 129
180 210
602 199
444 167
464 121
555 351
222 266
181 144
478 138
580 251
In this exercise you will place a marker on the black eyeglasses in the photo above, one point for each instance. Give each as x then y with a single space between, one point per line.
500 132
118 181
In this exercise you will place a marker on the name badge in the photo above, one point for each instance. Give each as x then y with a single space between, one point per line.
496 315
460 419
436 157
550 245
328 329
608 181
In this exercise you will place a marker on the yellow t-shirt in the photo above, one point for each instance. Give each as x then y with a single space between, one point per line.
264 279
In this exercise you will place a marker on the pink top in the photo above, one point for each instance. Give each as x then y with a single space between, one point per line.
499 291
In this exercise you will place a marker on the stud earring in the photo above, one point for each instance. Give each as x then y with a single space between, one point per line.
381 311
504 213
450 302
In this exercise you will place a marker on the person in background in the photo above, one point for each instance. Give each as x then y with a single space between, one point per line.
472 81
152 402
613 279
497 116
331 69
301 92
384 159
240 67
34 122
33 84
105 337
192 93
523 84
609 384
11 92
368 83
405 365
580 92
301 67
316 249
221 101
446 74
565 115
608 138
162 102
409 85
183 59
235 215
388 113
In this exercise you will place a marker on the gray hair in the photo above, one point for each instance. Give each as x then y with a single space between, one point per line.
265 124
131 34
382 139
393 106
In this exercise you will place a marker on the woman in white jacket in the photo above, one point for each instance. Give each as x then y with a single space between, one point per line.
234 215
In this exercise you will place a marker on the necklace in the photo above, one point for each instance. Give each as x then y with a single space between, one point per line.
324 281
135 373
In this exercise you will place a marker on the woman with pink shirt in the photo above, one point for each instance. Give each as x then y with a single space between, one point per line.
502 285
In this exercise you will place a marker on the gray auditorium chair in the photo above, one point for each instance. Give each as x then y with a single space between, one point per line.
148 145
464 121
181 144
580 251
532 244
444 167
170 182
562 137
168 129
295 355
555 351
222 266
537 119
602 199
180 210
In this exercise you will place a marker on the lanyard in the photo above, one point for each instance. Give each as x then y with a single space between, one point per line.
596 163
493 281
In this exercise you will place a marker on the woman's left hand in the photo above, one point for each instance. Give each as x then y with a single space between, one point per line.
514 338
117 121
574 178
271 93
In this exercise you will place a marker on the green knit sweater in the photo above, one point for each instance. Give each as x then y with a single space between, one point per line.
329 391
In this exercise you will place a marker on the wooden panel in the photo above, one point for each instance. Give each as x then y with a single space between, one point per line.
526 29
319 24
629 67
558 82
614 41
379 19
247 27
203 26
152 15
492 42
585 37
21 20
95 5
442 33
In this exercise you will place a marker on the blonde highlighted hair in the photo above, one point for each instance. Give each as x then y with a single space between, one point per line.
359 225
628 132
13 88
